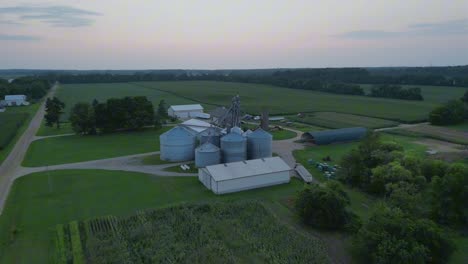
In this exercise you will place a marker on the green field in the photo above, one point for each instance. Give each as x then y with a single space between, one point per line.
76 148
283 134
435 94
463 126
282 100
340 120
38 202
9 126
74 93
65 128
234 232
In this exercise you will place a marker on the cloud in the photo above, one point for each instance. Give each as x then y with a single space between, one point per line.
451 27
57 16
5 37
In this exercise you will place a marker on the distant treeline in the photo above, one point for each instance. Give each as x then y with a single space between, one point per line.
395 91
126 113
33 87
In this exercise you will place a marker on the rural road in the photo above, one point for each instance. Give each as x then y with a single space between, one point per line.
13 161
124 163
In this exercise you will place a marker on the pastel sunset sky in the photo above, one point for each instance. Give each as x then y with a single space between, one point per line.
218 34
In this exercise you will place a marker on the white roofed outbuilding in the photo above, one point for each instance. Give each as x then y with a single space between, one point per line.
244 175
16 100
185 111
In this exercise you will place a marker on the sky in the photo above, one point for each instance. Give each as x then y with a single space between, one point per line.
235 34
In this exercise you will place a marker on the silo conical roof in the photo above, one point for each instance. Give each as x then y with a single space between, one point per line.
233 137
259 133
178 131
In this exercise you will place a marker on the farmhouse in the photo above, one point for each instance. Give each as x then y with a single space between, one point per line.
244 175
185 111
15 100
334 135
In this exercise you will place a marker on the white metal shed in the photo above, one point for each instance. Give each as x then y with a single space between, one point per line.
14 100
185 111
244 175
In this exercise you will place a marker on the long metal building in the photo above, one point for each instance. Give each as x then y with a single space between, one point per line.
335 135
244 175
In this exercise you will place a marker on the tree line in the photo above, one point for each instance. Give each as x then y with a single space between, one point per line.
423 201
33 87
450 113
128 113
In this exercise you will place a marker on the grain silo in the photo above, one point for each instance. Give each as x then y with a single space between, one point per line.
206 155
233 147
212 135
259 144
178 144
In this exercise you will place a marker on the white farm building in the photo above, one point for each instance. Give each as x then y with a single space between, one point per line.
244 175
15 100
185 111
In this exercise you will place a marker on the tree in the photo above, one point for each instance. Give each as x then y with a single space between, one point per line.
324 206
465 98
82 119
451 113
157 122
385 174
392 236
54 109
162 109
449 194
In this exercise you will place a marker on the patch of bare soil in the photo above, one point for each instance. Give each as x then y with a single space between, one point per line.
441 132
440 146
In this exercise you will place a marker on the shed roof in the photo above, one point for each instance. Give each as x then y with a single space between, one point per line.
241 169
15 97
196 125
335 135
186 107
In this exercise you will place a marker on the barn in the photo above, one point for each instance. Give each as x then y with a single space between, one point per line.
334 135
244 175
185 111
15 100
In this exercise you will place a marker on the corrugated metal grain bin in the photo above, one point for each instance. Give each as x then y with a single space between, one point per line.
233 147
259 144
178 144
206 155
212 135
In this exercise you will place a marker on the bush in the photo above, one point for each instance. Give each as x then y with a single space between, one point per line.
392 236
451 113
324 207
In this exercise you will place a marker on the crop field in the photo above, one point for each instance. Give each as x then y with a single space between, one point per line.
340 120
284 101
76 148
236 232
40 201
74 93
13 122
435 94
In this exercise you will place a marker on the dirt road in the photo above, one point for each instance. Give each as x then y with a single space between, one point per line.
16 156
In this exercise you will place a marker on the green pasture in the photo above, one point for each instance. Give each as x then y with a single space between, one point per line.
340 120
65 128
77 148
283 134
38 202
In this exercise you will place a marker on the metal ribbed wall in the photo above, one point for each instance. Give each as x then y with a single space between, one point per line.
259 144
178 144
206 155
233 148
212 135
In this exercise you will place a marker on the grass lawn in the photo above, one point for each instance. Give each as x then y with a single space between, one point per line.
30 110
38 202
461 255
60 150
303 127
178 169
65 128
463 126
283 101
283 134
340 120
